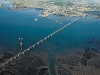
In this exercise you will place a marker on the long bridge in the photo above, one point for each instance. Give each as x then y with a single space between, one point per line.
42 40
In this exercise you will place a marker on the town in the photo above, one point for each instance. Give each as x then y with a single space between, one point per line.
66 8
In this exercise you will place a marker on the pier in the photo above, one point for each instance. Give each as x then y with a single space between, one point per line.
54 20
50 19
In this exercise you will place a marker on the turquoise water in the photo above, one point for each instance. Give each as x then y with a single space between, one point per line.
15 24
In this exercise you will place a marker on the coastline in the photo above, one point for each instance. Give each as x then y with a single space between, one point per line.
34 63
72 60
76 61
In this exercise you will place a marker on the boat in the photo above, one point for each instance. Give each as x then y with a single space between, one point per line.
36 19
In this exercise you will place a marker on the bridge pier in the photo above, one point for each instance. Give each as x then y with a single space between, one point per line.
37 43
18 55
45 38
28 49
41 40
22 52
48 36
33 46
51 34
59 30
15 57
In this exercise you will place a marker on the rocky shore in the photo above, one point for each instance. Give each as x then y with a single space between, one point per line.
81 62
27 64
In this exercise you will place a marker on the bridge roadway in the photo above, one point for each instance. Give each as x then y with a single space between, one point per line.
20 53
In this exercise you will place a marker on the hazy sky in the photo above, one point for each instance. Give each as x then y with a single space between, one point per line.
54 0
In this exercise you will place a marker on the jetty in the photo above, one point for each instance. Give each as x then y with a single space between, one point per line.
54 20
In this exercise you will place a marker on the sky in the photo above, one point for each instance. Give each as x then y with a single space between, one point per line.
57 0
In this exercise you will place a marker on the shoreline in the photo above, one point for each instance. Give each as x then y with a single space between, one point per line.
72 62
37 62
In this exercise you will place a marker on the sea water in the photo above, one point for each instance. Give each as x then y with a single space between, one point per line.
16 24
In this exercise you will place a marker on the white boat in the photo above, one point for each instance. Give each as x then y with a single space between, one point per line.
36 19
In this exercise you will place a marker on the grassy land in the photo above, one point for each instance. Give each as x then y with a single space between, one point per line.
0 5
